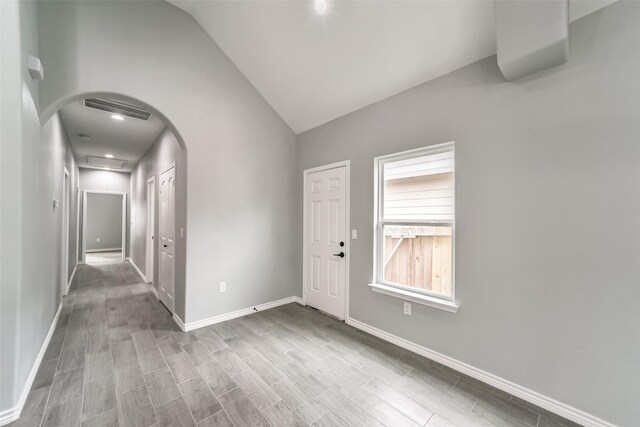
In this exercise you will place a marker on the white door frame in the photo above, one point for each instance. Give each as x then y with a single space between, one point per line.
79 259
347 194
151 228
84 220
66 199
173 166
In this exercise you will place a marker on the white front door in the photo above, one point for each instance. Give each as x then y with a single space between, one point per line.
166 282
325 240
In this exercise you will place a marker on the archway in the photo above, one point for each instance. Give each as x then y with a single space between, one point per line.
168 149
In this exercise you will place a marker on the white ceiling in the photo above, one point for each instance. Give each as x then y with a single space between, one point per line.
313 69
127 139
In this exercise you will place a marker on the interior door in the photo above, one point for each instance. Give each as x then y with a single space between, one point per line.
325 238
166 283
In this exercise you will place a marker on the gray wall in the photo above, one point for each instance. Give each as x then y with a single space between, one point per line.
548 215
104 221
101 180
10 194
164 151
241 177
32 161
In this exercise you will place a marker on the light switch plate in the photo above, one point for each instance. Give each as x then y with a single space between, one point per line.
354 234
223 286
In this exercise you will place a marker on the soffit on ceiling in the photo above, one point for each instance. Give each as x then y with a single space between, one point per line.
313 69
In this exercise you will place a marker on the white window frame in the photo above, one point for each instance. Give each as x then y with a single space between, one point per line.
398 290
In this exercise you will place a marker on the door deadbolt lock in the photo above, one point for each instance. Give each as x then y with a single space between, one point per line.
341 244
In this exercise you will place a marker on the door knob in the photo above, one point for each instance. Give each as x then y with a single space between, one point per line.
341 254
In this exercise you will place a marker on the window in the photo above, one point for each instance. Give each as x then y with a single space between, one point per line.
415 216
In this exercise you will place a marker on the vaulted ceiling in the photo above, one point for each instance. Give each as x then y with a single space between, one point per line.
314 68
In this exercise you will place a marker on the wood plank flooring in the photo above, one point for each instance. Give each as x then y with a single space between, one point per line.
117 359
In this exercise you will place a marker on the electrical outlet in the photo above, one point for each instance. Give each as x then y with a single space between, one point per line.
407 308
98 239
223 286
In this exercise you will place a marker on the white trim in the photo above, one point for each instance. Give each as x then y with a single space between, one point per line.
13 414
66 227
190 326
442 304
379 221
137 269
347 238
524 393
155 291
90 251
150 240
158 242
73 273
77 256
83 254
171 165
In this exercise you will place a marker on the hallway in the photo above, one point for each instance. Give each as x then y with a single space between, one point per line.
117 358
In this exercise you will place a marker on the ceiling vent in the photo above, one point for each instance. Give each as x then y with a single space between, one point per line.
117 107
101 162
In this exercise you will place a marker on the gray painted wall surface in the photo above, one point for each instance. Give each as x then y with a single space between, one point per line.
164 151
242 177
10 194
104 221
101 180
548 208
33 158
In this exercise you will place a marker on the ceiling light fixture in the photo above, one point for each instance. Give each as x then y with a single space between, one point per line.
117 117
106 169
320 6
109 156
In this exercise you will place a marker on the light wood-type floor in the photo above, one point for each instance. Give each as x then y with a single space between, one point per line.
100 257
117 358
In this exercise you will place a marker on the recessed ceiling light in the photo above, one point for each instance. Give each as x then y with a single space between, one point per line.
117 117
320 6
84 138
109 156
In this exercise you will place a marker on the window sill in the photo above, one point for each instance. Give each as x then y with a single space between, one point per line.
449 306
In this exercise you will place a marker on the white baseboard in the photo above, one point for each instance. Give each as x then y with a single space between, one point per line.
13 414
66 291
155 292
90 251
137 269
524 393
186 327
